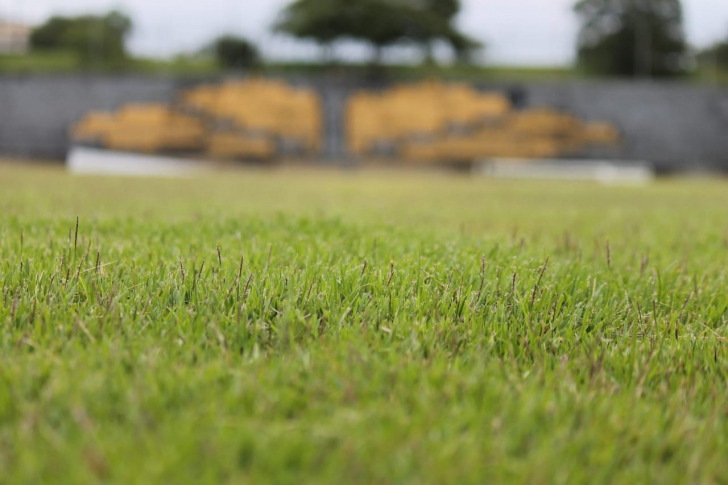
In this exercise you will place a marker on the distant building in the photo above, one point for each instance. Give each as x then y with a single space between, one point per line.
14 38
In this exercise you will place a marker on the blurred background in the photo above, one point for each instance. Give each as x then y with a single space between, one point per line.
412 83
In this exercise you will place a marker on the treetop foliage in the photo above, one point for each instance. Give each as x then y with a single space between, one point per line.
716 54
640 38
234 52
92 38
380 23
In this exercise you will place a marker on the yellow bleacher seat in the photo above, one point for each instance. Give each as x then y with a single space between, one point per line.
236 146
263 106
93 127
440 122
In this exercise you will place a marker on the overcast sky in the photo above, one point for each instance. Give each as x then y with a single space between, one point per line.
516 31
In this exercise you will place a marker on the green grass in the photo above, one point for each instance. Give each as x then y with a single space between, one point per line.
65 62
382 328
69 62
179 66
709 75
60 62
470 73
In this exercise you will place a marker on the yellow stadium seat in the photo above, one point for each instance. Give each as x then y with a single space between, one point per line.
92 127
259 106
236 146
601 133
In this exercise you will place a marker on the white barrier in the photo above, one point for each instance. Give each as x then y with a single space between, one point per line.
90 161
603 171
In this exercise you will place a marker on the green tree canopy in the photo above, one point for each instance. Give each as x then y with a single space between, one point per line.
639 38
380 23
236 53
716 55
92 38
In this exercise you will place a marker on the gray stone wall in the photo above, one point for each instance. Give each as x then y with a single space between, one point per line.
675 126
36 111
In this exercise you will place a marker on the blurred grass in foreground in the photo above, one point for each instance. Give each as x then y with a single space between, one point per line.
379 329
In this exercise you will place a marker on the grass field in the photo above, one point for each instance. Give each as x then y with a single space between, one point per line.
65 62
381 328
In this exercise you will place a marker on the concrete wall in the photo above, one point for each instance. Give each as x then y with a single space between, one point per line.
36 111
672 125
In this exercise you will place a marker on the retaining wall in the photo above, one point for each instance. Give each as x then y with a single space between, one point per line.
675 126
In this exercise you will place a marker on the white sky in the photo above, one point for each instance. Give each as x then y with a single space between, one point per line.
516 31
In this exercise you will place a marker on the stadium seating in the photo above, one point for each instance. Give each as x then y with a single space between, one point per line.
433 122
262 106
248 119
143 128
231 146
265 119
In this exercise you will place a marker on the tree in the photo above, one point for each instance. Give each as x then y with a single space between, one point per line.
715 56
319 20
236 53
93 38
432 21
379 23
638 38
